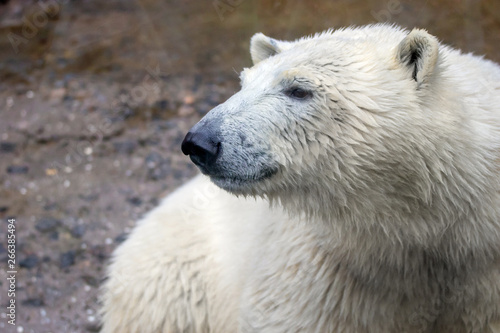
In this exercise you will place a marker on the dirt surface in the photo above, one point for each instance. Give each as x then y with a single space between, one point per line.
95 98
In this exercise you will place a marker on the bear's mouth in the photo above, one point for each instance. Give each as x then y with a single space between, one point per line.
237 183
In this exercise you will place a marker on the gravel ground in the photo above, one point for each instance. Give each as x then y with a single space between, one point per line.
95 100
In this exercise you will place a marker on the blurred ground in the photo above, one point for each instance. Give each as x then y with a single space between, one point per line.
95 98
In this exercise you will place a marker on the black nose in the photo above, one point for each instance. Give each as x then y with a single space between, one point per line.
201 147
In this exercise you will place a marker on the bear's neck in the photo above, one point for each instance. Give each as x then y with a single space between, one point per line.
393 236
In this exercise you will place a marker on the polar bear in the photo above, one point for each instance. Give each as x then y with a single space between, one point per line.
352 185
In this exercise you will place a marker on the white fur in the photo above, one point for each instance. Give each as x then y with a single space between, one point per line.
385 192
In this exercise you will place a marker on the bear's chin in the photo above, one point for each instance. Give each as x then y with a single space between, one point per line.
242 184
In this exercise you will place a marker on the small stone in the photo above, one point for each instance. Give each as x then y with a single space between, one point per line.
10 102
99 252
90 197
121 238
94 327
51 172
91 280
78 231
17 169
67 259
135 201
7 147
153 160
36 302
47 224
162 104
50 206
92 129
54 235
158 173
189 99
29 262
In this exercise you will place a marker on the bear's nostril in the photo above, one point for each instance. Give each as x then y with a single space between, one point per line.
201 148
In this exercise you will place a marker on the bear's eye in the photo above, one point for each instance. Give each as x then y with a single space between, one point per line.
299 93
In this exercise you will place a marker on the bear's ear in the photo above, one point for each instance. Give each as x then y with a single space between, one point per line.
263 47
419 53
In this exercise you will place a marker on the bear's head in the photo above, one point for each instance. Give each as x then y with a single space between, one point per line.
339 123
